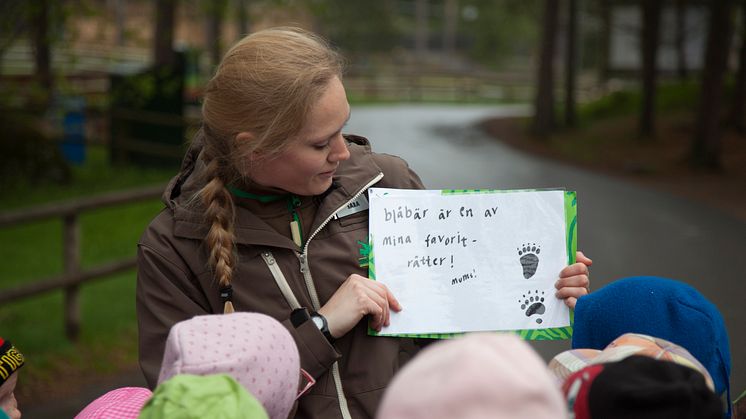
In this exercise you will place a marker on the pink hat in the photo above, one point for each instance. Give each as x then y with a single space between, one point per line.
122 403
568 362
255 349
479 376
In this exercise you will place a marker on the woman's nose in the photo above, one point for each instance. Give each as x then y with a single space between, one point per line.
339 151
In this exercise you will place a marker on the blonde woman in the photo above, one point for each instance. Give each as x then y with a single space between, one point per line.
264 217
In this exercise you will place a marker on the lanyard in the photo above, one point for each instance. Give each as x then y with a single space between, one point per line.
293 204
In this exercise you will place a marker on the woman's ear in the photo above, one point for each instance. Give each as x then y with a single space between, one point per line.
244 136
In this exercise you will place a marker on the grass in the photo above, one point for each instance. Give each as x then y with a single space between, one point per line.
94 177
670 97
33 251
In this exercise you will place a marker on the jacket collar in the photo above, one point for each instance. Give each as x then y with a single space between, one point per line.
351 177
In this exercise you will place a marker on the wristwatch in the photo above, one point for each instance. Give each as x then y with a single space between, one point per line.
300 316
320 322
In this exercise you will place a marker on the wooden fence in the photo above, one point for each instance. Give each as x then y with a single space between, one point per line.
73 276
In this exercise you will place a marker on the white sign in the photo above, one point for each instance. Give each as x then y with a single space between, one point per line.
461 261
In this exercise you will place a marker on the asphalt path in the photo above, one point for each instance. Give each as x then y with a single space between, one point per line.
626 229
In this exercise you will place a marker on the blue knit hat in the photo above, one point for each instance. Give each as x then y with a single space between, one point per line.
659 307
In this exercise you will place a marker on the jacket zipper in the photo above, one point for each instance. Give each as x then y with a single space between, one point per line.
304 268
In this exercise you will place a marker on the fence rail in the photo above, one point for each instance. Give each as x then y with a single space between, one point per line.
73 276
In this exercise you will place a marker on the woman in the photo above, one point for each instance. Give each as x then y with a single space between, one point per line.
254 223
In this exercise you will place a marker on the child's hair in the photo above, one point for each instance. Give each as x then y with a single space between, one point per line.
265 85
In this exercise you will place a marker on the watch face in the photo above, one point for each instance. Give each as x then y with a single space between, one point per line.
318 322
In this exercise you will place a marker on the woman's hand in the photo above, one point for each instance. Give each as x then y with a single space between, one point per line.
574 280
357 297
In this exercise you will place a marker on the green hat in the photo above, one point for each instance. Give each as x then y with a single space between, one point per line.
209 396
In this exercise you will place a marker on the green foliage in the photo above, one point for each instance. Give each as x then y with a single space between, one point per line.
669 97
95 176
357 26
494 33
27 155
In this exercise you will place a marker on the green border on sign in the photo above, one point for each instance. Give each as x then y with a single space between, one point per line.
571 230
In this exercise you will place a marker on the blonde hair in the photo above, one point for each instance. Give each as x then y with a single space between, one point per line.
265 85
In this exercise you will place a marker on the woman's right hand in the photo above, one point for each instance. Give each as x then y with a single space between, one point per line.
357 297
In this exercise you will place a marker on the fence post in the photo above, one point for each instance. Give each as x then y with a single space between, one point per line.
71 252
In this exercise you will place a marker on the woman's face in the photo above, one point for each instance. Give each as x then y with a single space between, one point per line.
306 166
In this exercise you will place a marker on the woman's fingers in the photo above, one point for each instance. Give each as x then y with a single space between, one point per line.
580 257
566 292
570 302
572 281
574 269
357 297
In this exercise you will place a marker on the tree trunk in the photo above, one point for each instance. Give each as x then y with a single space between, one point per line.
120 19
165 11
421 27
450 14
42 47
242 17
706 147
738 106
651 16
604 55
544 106
571 63
681 65
215 12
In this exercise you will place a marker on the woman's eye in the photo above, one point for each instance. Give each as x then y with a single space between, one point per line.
321 146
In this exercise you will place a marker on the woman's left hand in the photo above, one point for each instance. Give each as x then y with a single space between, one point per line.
574 280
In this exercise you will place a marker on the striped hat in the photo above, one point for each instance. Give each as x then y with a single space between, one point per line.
569 362
10 360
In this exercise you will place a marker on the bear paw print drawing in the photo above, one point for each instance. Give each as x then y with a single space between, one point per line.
529 254
533 304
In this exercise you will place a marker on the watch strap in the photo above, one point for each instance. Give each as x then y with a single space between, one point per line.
324 326
299 316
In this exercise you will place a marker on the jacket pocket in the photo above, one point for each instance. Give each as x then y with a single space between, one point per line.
353 220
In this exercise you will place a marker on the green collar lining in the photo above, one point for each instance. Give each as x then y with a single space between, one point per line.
261 198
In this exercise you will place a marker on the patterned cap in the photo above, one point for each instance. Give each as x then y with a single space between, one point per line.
569 362
253 348
122 403
10 360
640 387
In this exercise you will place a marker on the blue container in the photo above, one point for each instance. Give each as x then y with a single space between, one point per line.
73 130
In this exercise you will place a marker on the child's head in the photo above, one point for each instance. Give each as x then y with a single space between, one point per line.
479 376
658 307
640 387
122 403
255 349
568 362
188 396
10 361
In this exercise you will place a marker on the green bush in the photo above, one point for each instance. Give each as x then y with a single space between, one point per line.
27 156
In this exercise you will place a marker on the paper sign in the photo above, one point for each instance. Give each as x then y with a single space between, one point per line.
473 260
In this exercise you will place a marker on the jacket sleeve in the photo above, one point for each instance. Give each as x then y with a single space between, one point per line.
165 296
397 173
316 353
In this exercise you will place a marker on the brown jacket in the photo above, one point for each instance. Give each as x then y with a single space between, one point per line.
174 282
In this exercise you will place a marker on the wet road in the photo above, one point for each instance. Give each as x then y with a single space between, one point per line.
626 229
